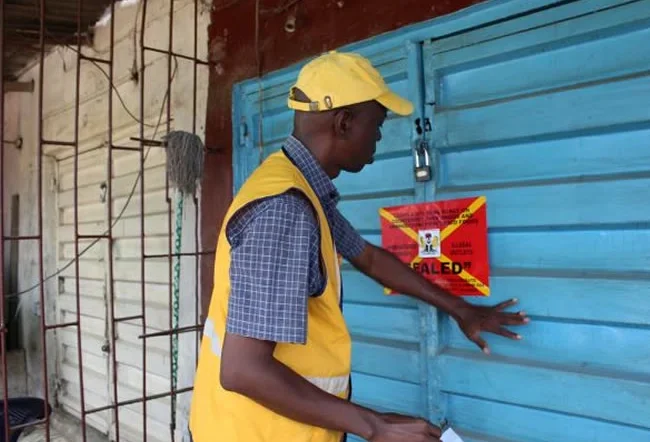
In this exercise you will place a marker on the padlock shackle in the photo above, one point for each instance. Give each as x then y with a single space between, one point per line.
421 148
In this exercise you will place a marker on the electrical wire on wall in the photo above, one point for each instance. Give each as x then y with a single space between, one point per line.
131 193
117 219
156 127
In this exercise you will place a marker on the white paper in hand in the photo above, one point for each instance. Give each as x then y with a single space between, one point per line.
450 436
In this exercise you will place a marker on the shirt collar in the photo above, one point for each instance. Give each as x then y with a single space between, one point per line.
312 170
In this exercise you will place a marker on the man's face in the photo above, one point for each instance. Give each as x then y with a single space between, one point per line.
360 132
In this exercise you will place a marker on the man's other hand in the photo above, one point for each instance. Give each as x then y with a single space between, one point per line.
391 427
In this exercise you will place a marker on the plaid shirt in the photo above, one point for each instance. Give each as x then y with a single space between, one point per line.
275 256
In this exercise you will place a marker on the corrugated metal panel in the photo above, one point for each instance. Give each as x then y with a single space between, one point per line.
383 328
98 377
550 122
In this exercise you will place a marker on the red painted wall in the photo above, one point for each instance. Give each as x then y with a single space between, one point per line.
320 26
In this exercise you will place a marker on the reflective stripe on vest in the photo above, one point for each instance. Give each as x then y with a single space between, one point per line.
335 385
215 342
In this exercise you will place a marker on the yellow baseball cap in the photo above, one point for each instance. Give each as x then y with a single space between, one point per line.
337 79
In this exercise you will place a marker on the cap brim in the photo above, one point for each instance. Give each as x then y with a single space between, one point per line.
396 104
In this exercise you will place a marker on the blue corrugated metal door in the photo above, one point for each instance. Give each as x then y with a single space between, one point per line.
387 335
548 116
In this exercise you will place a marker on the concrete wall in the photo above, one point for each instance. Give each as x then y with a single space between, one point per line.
58 209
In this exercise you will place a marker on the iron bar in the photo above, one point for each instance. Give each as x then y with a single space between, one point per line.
197 300
175 331
156 143
85 152
64 325
136 149
109 220
176 55
149 143
41 36
28 425
142 223
96 60
22 238
29 29
91 236
143 400
128 318
18 142
3 340
172 382
197 261
82 396
173 255
59 143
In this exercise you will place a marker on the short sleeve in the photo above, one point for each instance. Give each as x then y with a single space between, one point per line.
348 241
269 271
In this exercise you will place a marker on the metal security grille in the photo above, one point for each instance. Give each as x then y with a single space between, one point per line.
122 246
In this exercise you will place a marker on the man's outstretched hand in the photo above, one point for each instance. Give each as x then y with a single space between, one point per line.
389 271
475 319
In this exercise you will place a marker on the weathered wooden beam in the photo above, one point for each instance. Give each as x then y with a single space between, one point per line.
19 86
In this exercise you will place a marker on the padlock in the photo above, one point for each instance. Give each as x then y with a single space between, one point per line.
422 171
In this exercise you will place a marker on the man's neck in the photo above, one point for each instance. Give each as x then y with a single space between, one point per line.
320 152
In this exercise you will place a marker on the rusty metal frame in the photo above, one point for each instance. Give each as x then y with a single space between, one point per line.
3 327
108 235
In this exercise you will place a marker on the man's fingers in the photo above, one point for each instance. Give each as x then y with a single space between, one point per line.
505 304
513 318
397 418
482 345
434 431
507 333
429 431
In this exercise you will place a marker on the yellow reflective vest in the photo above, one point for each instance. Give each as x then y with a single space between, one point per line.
221 416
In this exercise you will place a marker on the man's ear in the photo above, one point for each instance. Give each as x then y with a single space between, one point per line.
343 122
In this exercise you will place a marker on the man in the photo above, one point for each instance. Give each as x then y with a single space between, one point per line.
275 357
